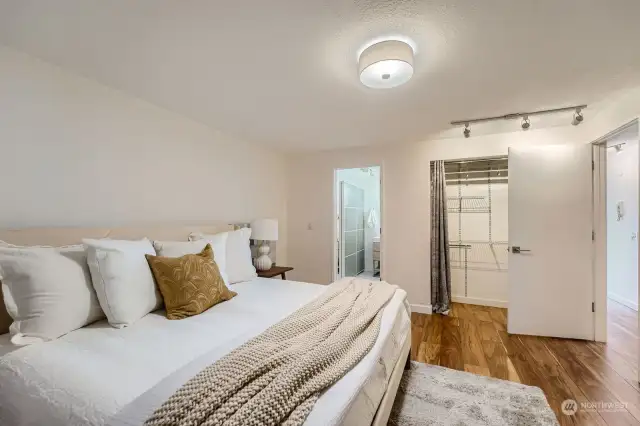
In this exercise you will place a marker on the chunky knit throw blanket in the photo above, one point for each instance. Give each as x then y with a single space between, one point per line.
276 377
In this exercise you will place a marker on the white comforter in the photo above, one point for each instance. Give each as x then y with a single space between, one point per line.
87 376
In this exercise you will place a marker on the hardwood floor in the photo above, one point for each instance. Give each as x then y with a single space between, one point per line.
474 339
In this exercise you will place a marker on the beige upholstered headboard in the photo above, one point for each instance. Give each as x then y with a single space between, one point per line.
67 236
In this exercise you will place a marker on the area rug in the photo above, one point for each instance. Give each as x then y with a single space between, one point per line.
432 395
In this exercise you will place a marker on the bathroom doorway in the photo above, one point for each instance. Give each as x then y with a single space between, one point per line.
357 214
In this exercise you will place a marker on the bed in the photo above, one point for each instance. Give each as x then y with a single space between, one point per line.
92 376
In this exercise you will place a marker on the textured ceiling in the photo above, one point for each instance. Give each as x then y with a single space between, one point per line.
283 72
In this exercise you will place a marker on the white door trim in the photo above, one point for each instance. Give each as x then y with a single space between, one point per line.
335 204
600 243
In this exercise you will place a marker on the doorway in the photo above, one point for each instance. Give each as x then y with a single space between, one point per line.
357 218
616 218
477 210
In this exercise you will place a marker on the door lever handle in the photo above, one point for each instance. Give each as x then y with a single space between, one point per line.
517 250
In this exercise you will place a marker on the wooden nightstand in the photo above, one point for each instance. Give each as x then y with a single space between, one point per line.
275 271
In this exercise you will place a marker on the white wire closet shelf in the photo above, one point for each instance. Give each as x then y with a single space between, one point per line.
468 204
479 255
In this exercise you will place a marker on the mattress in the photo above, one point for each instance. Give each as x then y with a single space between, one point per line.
5 344
89 376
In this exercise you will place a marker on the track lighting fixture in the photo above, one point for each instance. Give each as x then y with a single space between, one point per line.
577 117
467 130
526 123
618 147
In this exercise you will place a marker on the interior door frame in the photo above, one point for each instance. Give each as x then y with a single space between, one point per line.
340 232
600 230
336 205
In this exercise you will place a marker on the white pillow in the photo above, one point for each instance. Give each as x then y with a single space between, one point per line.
122 279
239 265
47 292
180 248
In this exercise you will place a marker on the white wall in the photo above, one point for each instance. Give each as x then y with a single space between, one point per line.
405 191
370 183
622 241
405 206
76 153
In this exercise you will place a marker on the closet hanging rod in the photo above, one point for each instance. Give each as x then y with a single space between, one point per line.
505 169
514 116
467 197
452 182
476 175
466 246
497 158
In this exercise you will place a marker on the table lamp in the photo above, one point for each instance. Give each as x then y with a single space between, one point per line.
264 230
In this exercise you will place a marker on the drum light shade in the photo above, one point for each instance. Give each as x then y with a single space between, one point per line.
386 64
264 229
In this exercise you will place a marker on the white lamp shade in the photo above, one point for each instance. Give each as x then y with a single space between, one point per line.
386 64
264 229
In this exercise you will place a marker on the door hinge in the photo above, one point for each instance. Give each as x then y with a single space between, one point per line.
593 165
593 306
593 235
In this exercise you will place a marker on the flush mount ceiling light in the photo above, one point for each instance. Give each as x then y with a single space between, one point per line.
386 64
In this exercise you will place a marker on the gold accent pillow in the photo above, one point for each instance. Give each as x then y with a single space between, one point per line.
190 284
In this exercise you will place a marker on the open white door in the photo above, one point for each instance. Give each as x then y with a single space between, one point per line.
550 241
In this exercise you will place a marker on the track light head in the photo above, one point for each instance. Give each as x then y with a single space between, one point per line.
467 130
525 122
577 117
617 147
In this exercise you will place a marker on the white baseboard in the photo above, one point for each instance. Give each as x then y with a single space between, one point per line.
421 309
626 302
479 301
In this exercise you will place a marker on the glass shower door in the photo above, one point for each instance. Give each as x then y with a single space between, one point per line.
351 230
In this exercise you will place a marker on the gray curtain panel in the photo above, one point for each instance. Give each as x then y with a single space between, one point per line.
440 267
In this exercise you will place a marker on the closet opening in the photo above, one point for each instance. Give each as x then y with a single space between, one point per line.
477 207
357 218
